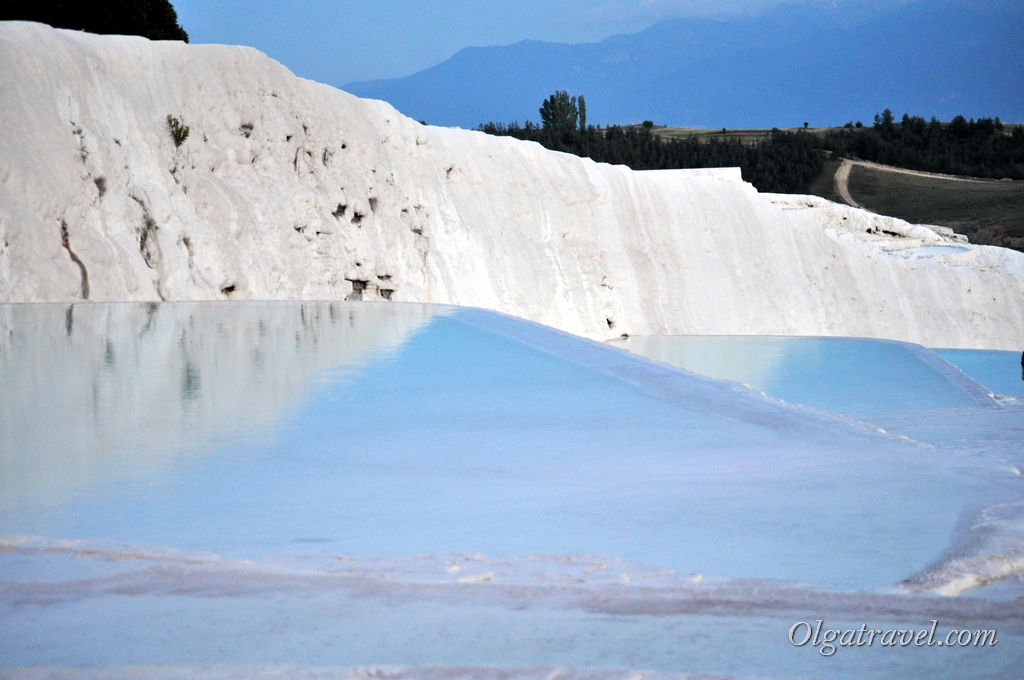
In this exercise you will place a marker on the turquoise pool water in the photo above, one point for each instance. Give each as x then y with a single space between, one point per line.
340 484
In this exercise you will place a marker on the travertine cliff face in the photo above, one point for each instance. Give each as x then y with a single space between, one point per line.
285 188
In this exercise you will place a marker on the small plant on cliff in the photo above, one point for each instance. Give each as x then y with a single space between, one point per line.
179 131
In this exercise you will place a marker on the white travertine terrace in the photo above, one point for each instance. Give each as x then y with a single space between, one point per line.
290 189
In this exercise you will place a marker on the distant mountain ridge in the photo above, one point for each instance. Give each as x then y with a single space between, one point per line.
822 65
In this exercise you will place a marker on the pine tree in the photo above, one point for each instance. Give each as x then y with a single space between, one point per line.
559 113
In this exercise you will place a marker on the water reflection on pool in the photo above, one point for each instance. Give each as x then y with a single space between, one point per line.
997 371
98 393
840 375
220 481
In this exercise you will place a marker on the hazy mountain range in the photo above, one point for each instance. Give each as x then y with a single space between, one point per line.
822 64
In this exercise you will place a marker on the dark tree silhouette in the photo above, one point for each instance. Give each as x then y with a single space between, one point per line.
981 148
559 113
153 19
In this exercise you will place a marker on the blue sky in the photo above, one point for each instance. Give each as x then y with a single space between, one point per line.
342 41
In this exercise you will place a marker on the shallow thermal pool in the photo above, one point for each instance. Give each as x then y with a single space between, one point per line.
845 375
289 487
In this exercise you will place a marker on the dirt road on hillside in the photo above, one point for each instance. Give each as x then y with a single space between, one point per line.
841 180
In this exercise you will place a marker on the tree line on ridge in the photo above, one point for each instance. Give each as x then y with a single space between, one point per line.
781 161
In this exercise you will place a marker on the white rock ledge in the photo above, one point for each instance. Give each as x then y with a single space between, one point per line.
286 188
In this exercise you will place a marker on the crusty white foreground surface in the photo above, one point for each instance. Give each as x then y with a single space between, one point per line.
286 188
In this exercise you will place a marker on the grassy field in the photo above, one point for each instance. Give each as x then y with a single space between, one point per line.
746 136
824 186
987 211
